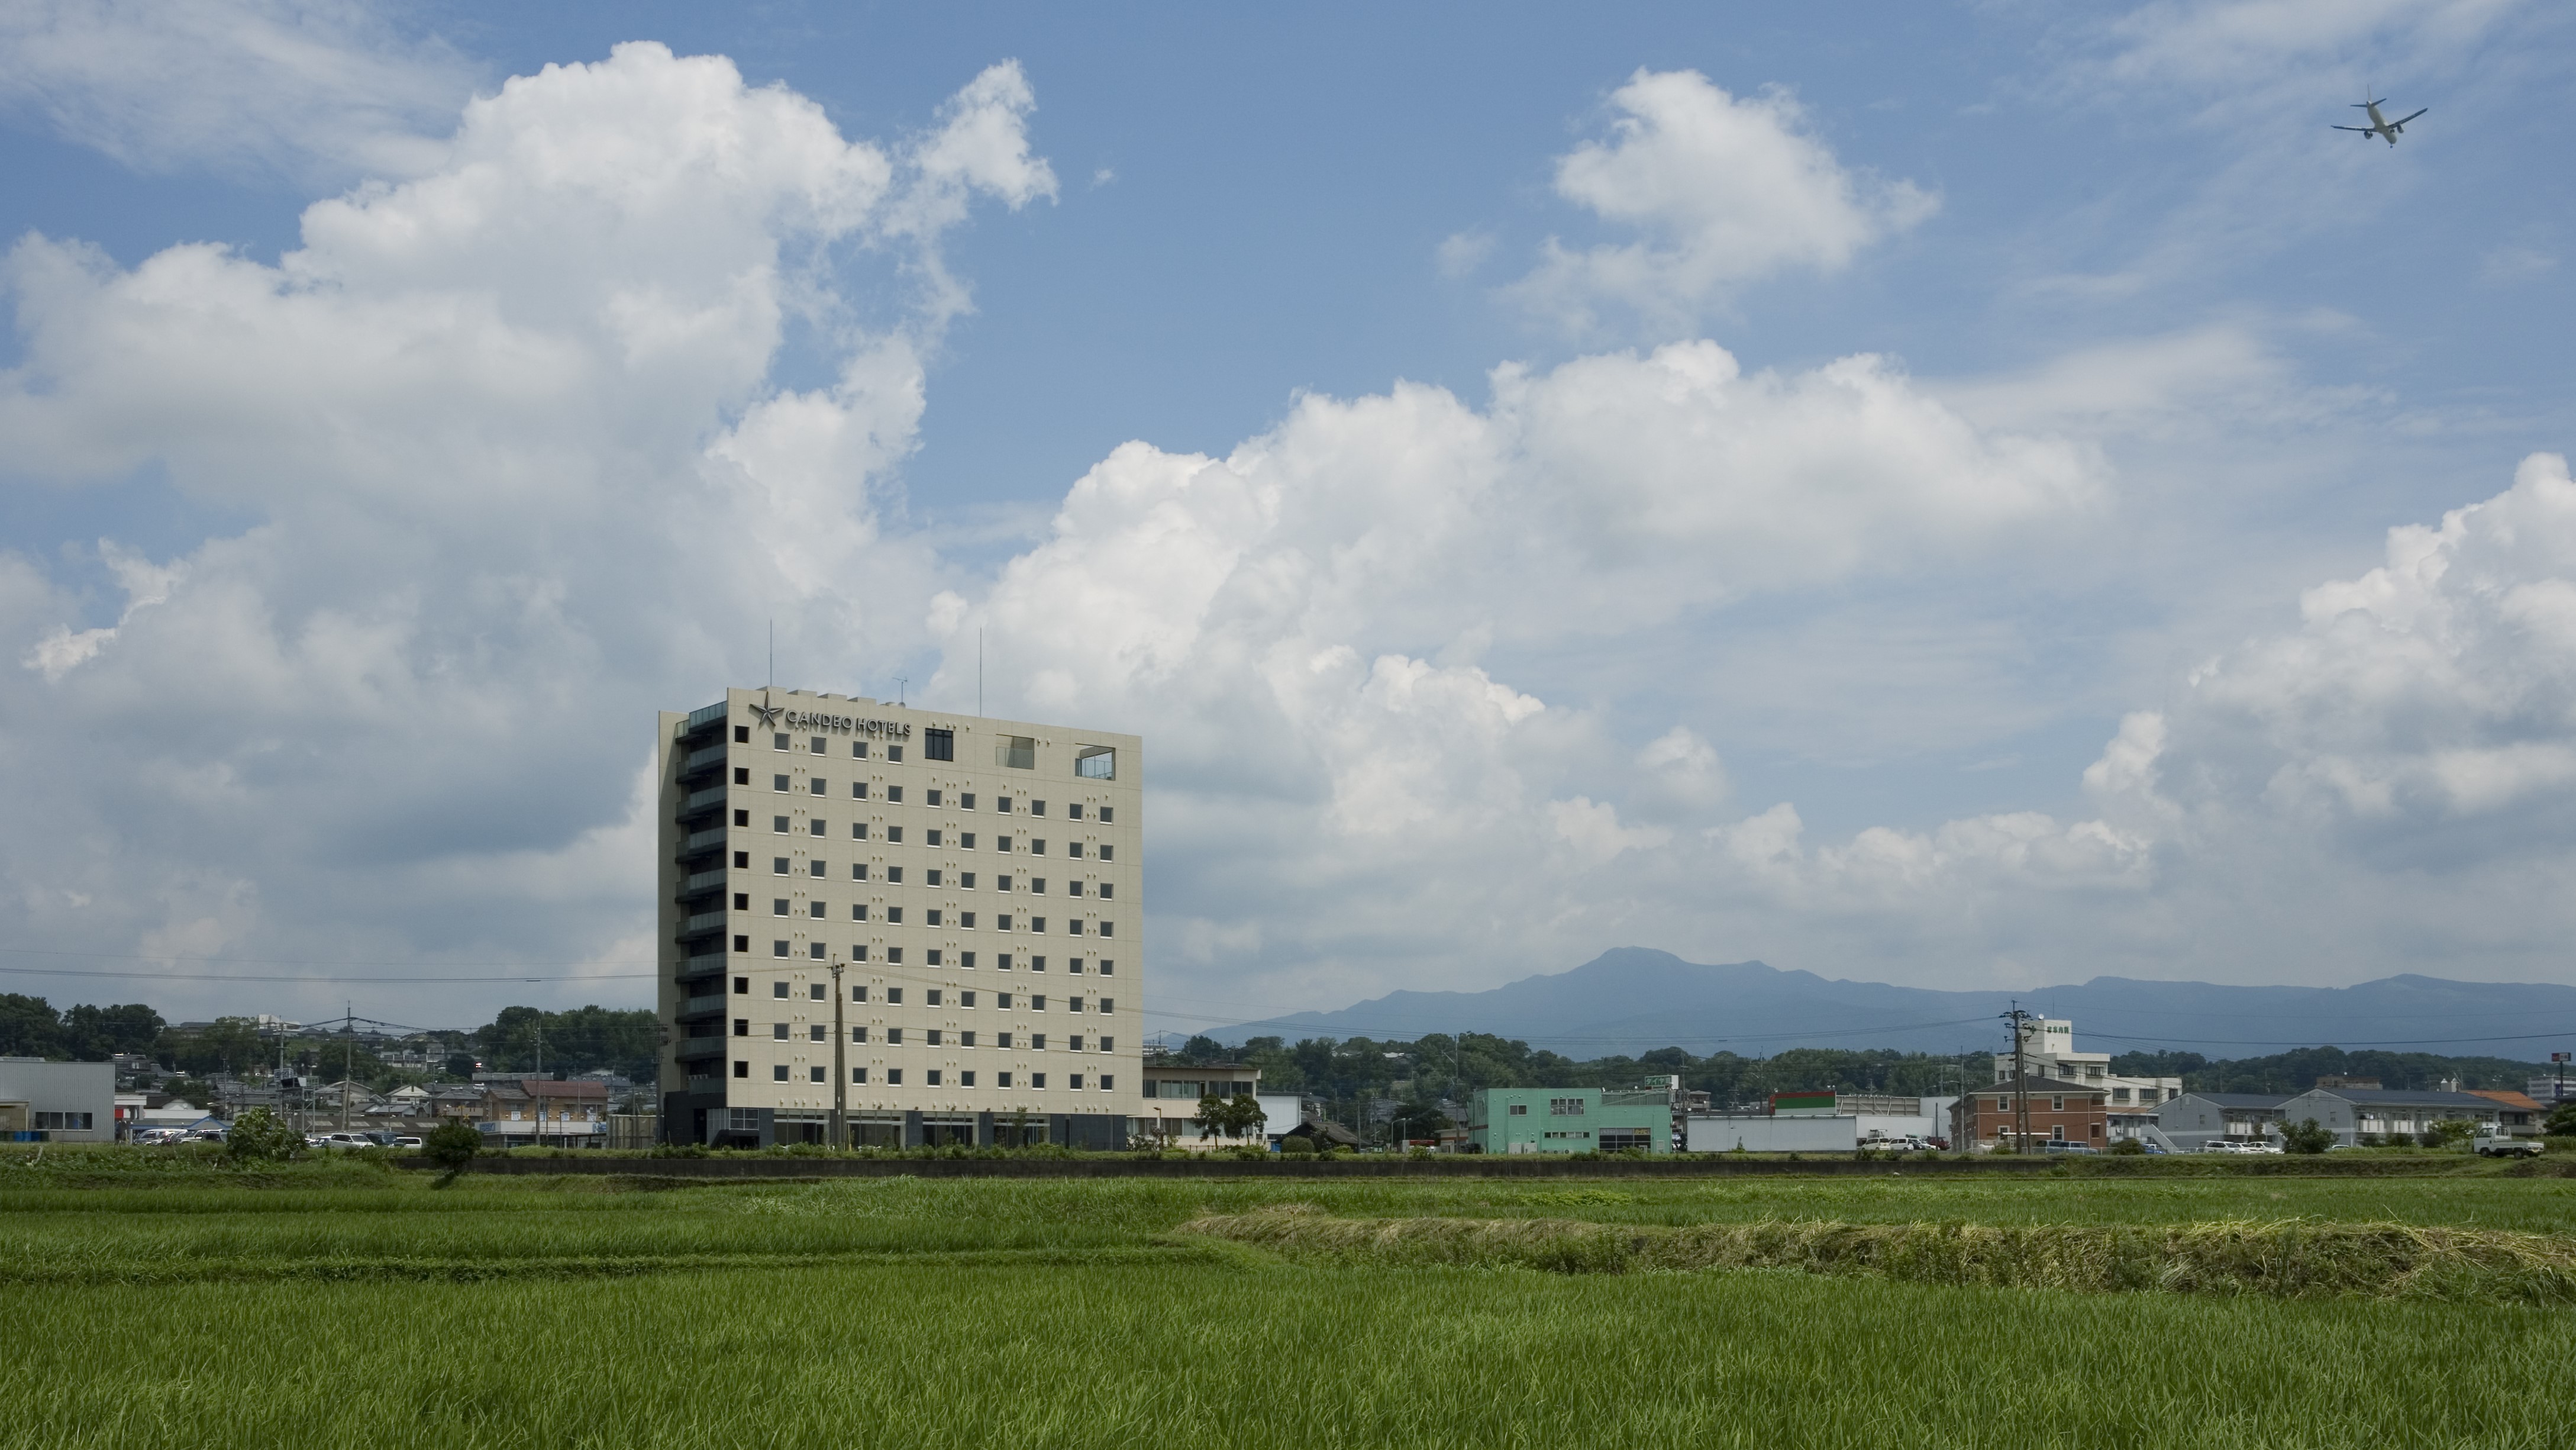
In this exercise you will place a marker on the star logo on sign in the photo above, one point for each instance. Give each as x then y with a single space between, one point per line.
768 715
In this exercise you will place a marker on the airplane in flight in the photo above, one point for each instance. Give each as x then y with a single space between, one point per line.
2380 126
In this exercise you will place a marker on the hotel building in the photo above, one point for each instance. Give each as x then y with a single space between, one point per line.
977 882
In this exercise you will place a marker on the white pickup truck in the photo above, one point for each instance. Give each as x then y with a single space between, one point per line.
2503 1145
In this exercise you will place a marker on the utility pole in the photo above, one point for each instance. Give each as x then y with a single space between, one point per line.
2021 1079
840 1067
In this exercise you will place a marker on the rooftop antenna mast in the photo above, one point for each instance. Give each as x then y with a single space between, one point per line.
899 683
773 653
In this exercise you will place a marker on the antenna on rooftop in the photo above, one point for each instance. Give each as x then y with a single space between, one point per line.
899 683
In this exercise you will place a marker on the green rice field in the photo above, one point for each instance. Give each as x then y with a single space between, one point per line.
354 1304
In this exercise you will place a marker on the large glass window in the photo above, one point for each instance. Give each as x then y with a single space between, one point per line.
1096 762
938 744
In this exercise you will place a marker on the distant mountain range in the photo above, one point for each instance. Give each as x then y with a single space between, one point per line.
1634 999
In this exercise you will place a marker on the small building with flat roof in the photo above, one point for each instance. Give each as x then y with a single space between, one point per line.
57 1102
1570 1120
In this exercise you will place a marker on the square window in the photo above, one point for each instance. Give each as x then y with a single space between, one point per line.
1003 1078
1037 964
931 837
894 794
742 1027
778 825
1107 1005
966 801
859 1035
894 1037
859 871
894 834
895 995
814 909
742 860
815 867
778 1072
1109 928
816 744
1106 854
1074 966
778 1032
894 915
933 998
1037 923
894 875
742 775
814 950
742 1069
1002 804
1037 1043
894 1077
931 917
1095 762
1073 1004
742 735
1073 1043
859 994
816 826
1002 1039
931 877
858 750
1073 1081
934 1077
858 830
1037 808
778 906
814 993
931 797
1104 820
814 1074
779 742
1037 885
895 754
778 783
967 959
965 999
1037 1079
965 840
938 744
778 865
933 1036
1108 968
818 786
859 953
742 985
1074 811
1106 1081
1107 891
859 1075
967 1077
742 818
894 958
742 943
932 956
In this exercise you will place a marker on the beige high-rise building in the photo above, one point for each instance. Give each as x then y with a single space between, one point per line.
976 880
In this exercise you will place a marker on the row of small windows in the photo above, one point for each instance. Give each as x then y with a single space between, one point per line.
931 1037
963 840
935 956
935 876
893 1077
1016 752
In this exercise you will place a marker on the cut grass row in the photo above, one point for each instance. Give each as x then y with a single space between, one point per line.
2282 1259
1252 1355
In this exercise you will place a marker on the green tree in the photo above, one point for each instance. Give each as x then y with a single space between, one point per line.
2449 1133
2306 1136
29 1027
452 1144
260 1136
2562 1118
94 1034
1239 1116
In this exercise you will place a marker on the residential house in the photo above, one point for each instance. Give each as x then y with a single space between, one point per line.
2362 1115
1167 1111
535 1113
2062 1112
2521 1117
2190 1123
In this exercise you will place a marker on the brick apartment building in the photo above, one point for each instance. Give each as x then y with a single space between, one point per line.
2060 1112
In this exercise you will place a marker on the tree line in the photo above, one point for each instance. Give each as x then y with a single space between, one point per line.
517 1039
1441 1066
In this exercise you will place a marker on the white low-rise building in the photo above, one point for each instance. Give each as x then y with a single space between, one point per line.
57 1102
2048 1050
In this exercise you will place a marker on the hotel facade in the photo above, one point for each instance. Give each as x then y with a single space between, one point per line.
976 882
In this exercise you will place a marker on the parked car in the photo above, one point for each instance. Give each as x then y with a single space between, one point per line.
2056 1147
343 1141
405 1140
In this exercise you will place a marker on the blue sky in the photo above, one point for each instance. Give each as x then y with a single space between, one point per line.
1835 489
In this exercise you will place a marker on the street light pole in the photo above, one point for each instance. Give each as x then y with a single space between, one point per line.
840 1067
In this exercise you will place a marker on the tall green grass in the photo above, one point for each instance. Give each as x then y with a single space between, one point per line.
1252 1356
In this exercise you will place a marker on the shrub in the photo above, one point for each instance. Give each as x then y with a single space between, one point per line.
260 1136
2306 1136
452 1144
2130 1148
1297 1143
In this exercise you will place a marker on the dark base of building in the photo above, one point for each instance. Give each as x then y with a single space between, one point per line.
704 1118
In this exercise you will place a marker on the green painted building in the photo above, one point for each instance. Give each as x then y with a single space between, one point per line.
1570 1120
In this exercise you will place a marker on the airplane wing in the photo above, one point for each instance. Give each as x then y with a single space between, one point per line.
2404 119
2365 130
